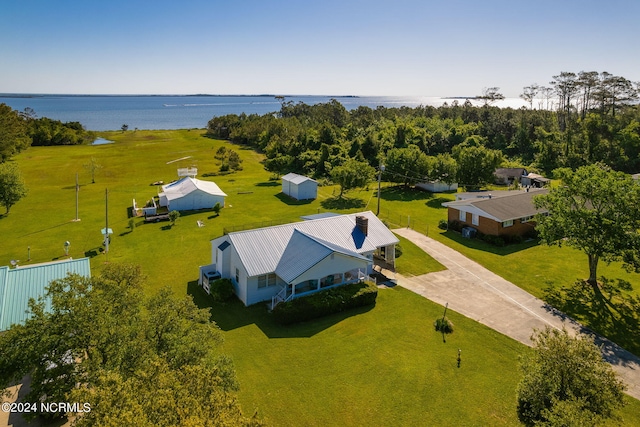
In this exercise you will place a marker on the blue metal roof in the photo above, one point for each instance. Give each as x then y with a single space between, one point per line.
18 285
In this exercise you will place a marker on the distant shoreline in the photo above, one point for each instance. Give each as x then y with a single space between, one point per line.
69 95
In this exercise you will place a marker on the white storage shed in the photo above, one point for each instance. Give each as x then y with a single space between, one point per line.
299 187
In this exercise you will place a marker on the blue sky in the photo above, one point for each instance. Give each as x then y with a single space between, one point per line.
400 47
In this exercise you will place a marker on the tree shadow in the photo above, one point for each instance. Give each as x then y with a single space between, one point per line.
342 203
436 202
233 314
267 184
400 193
610 310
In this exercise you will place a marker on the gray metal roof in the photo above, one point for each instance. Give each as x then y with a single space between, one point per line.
17 285
297 179
261 250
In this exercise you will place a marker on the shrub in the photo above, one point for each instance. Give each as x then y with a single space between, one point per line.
326 302
443 325
493 240
222 290
456 225
443 224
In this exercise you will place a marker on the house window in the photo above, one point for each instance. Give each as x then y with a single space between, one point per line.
527 218
266 280
506 224
475 219
237 276
462 216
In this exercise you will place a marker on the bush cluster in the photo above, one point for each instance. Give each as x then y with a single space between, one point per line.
456 225
326 302
444 325
222 290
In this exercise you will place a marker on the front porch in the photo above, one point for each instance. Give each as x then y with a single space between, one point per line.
311 286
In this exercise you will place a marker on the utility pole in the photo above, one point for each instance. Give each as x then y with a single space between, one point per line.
77 191
106 232
380 170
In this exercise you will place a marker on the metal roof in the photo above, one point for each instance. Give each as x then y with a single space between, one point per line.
18 285
319 216
188 185
260 250
297 179
303 252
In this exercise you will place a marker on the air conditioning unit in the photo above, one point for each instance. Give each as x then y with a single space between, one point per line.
469 232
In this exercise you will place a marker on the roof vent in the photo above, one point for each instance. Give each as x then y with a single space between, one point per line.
362 222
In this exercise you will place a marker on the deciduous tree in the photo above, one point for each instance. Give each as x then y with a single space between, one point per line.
476 164
12 186
566 382
13 133
137 361
594 210
352 174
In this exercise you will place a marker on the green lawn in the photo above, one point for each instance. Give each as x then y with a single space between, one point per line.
382 366
413 261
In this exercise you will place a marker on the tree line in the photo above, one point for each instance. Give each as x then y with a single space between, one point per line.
591 117
21 129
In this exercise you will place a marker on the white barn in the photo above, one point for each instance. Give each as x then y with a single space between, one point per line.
299 187
190 194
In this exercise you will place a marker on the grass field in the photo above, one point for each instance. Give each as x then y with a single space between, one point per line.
381 366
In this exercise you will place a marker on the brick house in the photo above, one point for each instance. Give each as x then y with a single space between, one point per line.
496 213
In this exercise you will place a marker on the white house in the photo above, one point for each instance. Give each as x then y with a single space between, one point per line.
299 187
285 261
190 193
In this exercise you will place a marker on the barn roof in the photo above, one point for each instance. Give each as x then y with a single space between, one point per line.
188 185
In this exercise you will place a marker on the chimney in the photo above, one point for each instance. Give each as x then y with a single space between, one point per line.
362 222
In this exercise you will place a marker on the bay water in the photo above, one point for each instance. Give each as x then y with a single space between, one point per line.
111 112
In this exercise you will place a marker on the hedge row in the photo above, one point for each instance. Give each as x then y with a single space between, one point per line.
326 302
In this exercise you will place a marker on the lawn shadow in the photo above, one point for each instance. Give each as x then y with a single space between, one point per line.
486 247
436 202
609 310
267 184
401 193
291 201
342 203
232 315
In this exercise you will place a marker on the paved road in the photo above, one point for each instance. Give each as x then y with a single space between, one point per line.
479 294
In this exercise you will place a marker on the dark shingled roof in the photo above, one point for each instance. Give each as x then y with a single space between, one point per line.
506 207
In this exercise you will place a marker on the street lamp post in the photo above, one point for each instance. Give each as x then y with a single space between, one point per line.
379 178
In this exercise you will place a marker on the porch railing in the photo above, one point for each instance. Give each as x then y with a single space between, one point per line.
283 297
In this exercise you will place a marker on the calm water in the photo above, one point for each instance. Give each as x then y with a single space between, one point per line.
185 112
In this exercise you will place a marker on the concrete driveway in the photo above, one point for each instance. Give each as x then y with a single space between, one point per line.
481 295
